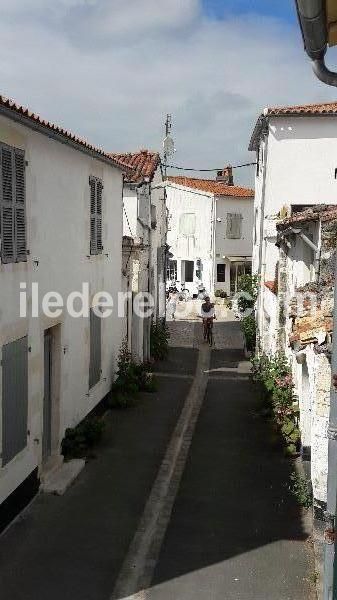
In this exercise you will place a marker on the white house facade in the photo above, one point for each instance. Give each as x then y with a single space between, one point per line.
209 232
61 227
145 223
295 148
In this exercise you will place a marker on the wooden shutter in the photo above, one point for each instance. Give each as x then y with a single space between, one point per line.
20 206
96 189
93 240
234 226
12 205
7 205
99 189
14 398
95 349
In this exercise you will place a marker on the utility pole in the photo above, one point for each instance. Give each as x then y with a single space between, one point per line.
168 142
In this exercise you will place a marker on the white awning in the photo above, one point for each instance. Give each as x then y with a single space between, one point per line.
240 259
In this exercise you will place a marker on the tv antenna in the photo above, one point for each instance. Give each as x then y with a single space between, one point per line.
168 143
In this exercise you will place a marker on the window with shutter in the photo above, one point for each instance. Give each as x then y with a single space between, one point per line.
95 349
234 226
12 204
187 223
14 398
96 190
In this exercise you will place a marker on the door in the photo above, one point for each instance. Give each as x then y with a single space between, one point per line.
47 399
187 271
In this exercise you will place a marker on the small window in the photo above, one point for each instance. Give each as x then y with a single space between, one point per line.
221 273
187 224
95 349
12 204
96 190
234 226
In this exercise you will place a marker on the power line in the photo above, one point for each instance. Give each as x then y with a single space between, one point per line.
210 170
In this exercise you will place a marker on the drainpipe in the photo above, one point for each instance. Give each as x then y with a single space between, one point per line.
330 580
261 253
313 246
313 23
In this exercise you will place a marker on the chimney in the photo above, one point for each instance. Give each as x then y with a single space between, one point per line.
226 176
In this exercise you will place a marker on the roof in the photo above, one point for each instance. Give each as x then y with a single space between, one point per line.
299 110
272 286
317 213
143 163
15 111
211 186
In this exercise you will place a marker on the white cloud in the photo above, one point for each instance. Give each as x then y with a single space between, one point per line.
110 70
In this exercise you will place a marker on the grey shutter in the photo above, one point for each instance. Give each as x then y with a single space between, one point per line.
99 189
12 205
95 349
234 226
93 239
14 398
20 197
7 205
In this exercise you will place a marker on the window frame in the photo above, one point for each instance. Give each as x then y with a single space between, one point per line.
224 273
13 211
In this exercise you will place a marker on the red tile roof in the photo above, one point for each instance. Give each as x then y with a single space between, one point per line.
143 163
13 110
299 110
272 286
212 187
323 213
328 108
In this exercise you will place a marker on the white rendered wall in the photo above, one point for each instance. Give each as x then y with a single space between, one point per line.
58 238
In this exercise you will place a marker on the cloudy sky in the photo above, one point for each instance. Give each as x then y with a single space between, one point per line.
110 70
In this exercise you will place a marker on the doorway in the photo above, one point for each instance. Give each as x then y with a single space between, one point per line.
187 271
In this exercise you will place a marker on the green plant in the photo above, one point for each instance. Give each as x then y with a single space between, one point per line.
159 340
300 487
249 284
217 293
248 325
79 439
273 374
131 379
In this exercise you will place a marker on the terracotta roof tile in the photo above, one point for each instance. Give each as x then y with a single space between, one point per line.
327 108
311 110
143 163
11 108
327 213
272 286
212 187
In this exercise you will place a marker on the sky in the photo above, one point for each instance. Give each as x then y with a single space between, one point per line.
110 70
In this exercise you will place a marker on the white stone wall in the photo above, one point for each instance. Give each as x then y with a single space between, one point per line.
58 239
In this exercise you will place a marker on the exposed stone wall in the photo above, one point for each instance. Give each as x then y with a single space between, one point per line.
308 327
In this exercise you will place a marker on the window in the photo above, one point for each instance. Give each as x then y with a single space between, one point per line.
172 270
221 273
14 398
96 189
12 204
95 349
187 224
234 226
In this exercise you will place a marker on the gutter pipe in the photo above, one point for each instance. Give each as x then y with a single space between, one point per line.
313 246
312 18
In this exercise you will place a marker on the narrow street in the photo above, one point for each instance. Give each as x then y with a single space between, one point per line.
186 498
